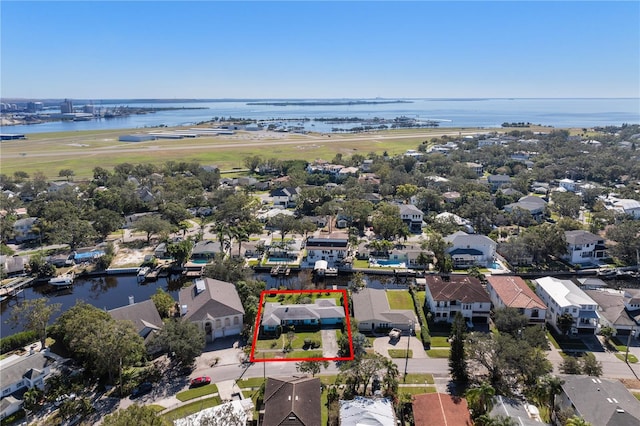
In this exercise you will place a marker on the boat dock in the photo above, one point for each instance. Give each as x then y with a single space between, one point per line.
15 287
280 270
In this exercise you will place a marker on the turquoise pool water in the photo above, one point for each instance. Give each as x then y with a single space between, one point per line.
279 259
200 261
383 262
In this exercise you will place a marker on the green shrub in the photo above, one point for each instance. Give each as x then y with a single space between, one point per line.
17 341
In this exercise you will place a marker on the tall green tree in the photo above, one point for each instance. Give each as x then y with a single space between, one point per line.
163 302
590 365
140 415
180 251
152 225
510 320
438 246
312 367
182 340
457 357
34 315
480 399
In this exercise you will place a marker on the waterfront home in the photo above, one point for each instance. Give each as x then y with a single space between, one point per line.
512 292
565 297
214 305
143 315
204 251
371 309
291 401
598 401
324 312
334 248
440 409
448 295
584 248
468 250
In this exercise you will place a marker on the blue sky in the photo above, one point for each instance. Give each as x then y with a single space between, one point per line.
302 49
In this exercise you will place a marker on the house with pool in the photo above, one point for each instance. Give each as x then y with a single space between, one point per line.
334 248
322 313
468 250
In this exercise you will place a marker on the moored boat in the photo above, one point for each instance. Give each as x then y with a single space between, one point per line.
64 280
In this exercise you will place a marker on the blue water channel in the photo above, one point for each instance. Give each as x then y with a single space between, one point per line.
113 291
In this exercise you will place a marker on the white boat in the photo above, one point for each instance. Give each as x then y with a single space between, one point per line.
64 280
142 273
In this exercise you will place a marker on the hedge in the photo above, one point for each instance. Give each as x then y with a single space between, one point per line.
424 332
17 341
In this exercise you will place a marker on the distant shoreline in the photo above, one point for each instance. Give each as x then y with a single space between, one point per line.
329 103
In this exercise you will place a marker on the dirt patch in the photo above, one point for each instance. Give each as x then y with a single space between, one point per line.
631 383
130 257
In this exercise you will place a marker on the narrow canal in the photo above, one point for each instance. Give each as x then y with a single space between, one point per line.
113 291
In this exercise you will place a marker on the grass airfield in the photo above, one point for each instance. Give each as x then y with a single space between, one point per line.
82 151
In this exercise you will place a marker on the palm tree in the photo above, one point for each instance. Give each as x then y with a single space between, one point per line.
390 379
480 399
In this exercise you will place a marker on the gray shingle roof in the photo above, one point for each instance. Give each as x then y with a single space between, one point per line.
219 299
371 304
292 401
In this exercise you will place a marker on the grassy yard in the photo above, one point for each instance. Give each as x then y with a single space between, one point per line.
637 395
194 407
298 341
440 342
438 353
418 379
399 299
328 380
156 407
400 353
360 264
631 358
416 390
254 382
197 392
420 297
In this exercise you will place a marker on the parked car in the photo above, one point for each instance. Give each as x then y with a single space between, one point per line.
200 381
141 390
62 398
395 333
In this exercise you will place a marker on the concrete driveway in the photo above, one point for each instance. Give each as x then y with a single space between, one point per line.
329 343
382 345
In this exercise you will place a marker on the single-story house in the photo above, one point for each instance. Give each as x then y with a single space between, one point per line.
612 307
534 205
9 405
205 250
321 313
214 305
371 309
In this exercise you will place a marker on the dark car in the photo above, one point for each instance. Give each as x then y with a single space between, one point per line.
141 390
200 381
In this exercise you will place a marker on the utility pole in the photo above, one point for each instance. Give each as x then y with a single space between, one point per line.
406 358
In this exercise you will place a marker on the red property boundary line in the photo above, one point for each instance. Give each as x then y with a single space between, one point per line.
256 329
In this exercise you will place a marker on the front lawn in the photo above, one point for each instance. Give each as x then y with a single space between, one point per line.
416 390
418 379
631 358
400 353
297 343
197 392
399 299
440 342
254 382
438 353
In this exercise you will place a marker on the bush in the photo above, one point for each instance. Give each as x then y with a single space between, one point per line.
425 337
17 341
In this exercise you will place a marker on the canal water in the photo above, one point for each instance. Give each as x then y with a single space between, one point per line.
113 291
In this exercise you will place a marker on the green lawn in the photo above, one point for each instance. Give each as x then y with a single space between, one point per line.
192 408
400 353
440 342
156 407
197 392
254 382
637 395
298 341
399 299
438 353
418 379
361 264
420 297
621 347
416 390
328 379
631 358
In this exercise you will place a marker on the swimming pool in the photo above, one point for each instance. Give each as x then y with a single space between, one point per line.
494 265
279 259
386 263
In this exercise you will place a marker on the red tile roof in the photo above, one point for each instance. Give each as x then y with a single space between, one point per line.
514 292
464 288
440 409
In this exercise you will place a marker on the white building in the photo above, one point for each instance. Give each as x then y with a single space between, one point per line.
471 249
584 248
567 184
367 411
564 297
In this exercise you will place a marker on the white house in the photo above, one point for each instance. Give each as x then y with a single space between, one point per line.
470 249
534 205
333 248
367 411
564 297
28 371
624 206
285 196
214 305
567 184
584 248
